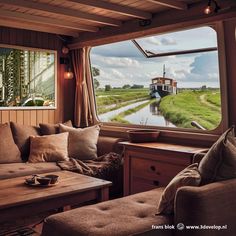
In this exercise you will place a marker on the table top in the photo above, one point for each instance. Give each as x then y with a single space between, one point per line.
14 191
165 146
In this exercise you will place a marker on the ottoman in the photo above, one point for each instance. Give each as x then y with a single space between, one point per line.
131 215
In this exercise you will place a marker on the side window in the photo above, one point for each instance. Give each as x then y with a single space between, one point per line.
169 80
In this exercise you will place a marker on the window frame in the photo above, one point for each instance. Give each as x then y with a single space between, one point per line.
120 129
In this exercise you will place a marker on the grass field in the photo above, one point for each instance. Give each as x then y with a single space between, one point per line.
187 106
116 98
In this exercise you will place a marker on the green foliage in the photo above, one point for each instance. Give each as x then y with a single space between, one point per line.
96 83
126 86
116 98
107 87
95 71
189 106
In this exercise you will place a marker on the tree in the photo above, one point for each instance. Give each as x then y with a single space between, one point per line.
126 86
136 86
96 83
107 87
95 72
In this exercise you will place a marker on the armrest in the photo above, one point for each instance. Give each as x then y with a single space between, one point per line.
211 204
109 144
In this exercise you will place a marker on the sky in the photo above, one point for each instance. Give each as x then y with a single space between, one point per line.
122 63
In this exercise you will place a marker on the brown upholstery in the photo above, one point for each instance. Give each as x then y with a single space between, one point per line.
13 170
121 217
108 144
212 204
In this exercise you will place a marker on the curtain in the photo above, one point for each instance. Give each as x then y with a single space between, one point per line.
84 111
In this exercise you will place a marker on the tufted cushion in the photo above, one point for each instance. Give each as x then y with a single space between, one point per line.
13 170
121 217
9 152
47 129
21 134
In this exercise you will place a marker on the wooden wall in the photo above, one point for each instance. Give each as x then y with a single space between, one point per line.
65 95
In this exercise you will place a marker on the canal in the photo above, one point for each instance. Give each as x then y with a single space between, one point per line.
148 115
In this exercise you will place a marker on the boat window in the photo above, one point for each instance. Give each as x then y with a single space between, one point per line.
181 90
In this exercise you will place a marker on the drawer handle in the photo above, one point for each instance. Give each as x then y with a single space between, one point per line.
156 182
153 168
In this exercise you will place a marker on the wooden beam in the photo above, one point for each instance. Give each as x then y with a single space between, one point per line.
26 25
76 14
161 23
171 3
45 21
119 9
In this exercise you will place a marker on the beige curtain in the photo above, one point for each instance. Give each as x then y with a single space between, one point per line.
84 111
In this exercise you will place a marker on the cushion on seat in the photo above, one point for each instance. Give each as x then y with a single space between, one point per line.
21 134
47 129
9 152
13 170
121 217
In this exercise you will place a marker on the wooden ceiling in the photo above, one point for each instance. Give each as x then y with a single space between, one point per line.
73 17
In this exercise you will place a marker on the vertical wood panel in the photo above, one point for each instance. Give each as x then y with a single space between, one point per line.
33 117
26 117
13 116
5 116
33 39
39 117
45 116
20 117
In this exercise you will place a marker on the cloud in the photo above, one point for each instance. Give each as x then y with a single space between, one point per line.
152 40
168 41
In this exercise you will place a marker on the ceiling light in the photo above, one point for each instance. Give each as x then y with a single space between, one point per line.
212 6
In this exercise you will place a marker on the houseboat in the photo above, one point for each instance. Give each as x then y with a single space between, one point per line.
161 87
64 172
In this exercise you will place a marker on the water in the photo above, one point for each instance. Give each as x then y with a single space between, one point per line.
105 117
149 115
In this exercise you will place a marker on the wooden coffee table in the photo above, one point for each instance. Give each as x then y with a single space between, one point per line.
18 200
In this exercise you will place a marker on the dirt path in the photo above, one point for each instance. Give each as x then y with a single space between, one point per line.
204 101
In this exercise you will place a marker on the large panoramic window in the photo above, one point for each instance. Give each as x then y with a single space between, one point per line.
169 80
27 78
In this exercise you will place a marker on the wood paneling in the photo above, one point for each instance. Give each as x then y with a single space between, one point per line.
32 39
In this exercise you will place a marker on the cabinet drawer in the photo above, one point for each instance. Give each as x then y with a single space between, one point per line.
154 170
140 185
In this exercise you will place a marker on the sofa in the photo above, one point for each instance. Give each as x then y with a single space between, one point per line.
211 205
207 208
21 133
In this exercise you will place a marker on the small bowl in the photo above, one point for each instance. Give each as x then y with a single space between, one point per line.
53 178
43 180
142 136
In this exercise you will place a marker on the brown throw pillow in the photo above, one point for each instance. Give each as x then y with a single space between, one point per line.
21 134
187 177
9 152
49 148
47 129
82 142
220 161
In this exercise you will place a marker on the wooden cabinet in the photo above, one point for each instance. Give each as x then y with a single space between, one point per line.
152 165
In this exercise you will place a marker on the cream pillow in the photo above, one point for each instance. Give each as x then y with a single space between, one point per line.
220 161
82 142
49 148
187 177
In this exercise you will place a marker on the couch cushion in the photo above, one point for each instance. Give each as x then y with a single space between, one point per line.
21 134
13 170
47 129
49 148
187 177
9 152
220 161
82 142
121 217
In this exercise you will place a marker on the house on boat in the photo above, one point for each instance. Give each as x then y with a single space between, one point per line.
161 87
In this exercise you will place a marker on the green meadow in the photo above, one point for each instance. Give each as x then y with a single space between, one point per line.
203 107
